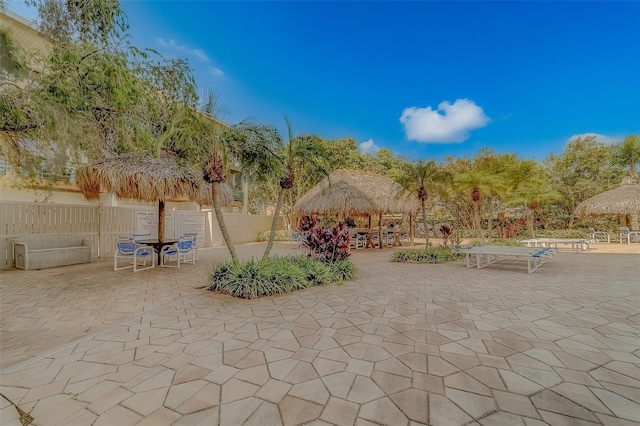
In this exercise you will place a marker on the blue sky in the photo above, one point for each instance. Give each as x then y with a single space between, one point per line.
422 79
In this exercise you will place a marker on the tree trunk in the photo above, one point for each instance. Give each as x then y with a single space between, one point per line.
490 227
274 224
531 223
215 188
476 214
425 224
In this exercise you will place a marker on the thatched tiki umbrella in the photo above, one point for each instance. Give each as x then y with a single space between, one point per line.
356 193
147 178
621 201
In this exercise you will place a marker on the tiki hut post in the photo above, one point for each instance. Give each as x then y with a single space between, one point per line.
161 220
380 230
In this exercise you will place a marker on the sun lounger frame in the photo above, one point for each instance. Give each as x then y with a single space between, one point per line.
486 255
578 245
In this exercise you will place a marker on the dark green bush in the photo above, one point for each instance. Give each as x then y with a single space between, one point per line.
562 233
253 278
426 255
342 271
498 242
281 235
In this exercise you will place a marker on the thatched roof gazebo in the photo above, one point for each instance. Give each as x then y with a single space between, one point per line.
621 201
348 193
148 178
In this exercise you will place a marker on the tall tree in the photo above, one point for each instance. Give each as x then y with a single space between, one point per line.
306 150
584 169
627 153
247 145
479 183
533 192
96 94
423 178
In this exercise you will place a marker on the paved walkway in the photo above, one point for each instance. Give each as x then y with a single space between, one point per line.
402 344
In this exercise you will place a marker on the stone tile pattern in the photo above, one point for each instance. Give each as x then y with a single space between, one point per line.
402 344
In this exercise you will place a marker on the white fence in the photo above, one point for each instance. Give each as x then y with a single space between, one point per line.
102 224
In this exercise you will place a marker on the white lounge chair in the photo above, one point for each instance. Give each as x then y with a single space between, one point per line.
629 235
578 245
595 235
486 255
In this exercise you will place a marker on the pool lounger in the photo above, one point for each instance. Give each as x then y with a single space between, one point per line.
485 255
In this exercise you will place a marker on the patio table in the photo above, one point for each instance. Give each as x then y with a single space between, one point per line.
158 245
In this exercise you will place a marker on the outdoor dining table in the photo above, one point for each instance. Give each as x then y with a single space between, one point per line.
372 233
158 245
397 242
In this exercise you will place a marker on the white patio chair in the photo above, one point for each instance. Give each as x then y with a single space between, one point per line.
194 236
629 235
389 238
358 241
126 248
595 235
184 251
299 238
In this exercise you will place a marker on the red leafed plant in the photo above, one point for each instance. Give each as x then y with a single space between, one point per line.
307 222
329 244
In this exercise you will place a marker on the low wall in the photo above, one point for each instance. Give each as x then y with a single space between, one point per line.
101 225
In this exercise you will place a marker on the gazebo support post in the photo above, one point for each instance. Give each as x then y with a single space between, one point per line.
161 220
380 230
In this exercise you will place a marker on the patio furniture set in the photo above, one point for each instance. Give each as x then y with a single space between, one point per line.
139 250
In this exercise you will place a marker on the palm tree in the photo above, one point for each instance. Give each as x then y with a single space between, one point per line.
301 151
214 165
247 145
480 183
628 153
422 177
534 191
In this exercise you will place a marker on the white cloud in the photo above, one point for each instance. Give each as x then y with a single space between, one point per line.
217 72
368 147
449 123
609 140
171 44
201 55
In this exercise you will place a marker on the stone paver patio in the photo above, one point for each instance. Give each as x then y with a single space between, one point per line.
402 344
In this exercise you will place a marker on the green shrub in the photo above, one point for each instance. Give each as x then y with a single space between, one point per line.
562 233
426 255
498 242
342 271
253 278
281 235
317 273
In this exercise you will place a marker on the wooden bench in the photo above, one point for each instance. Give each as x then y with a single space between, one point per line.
39 251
